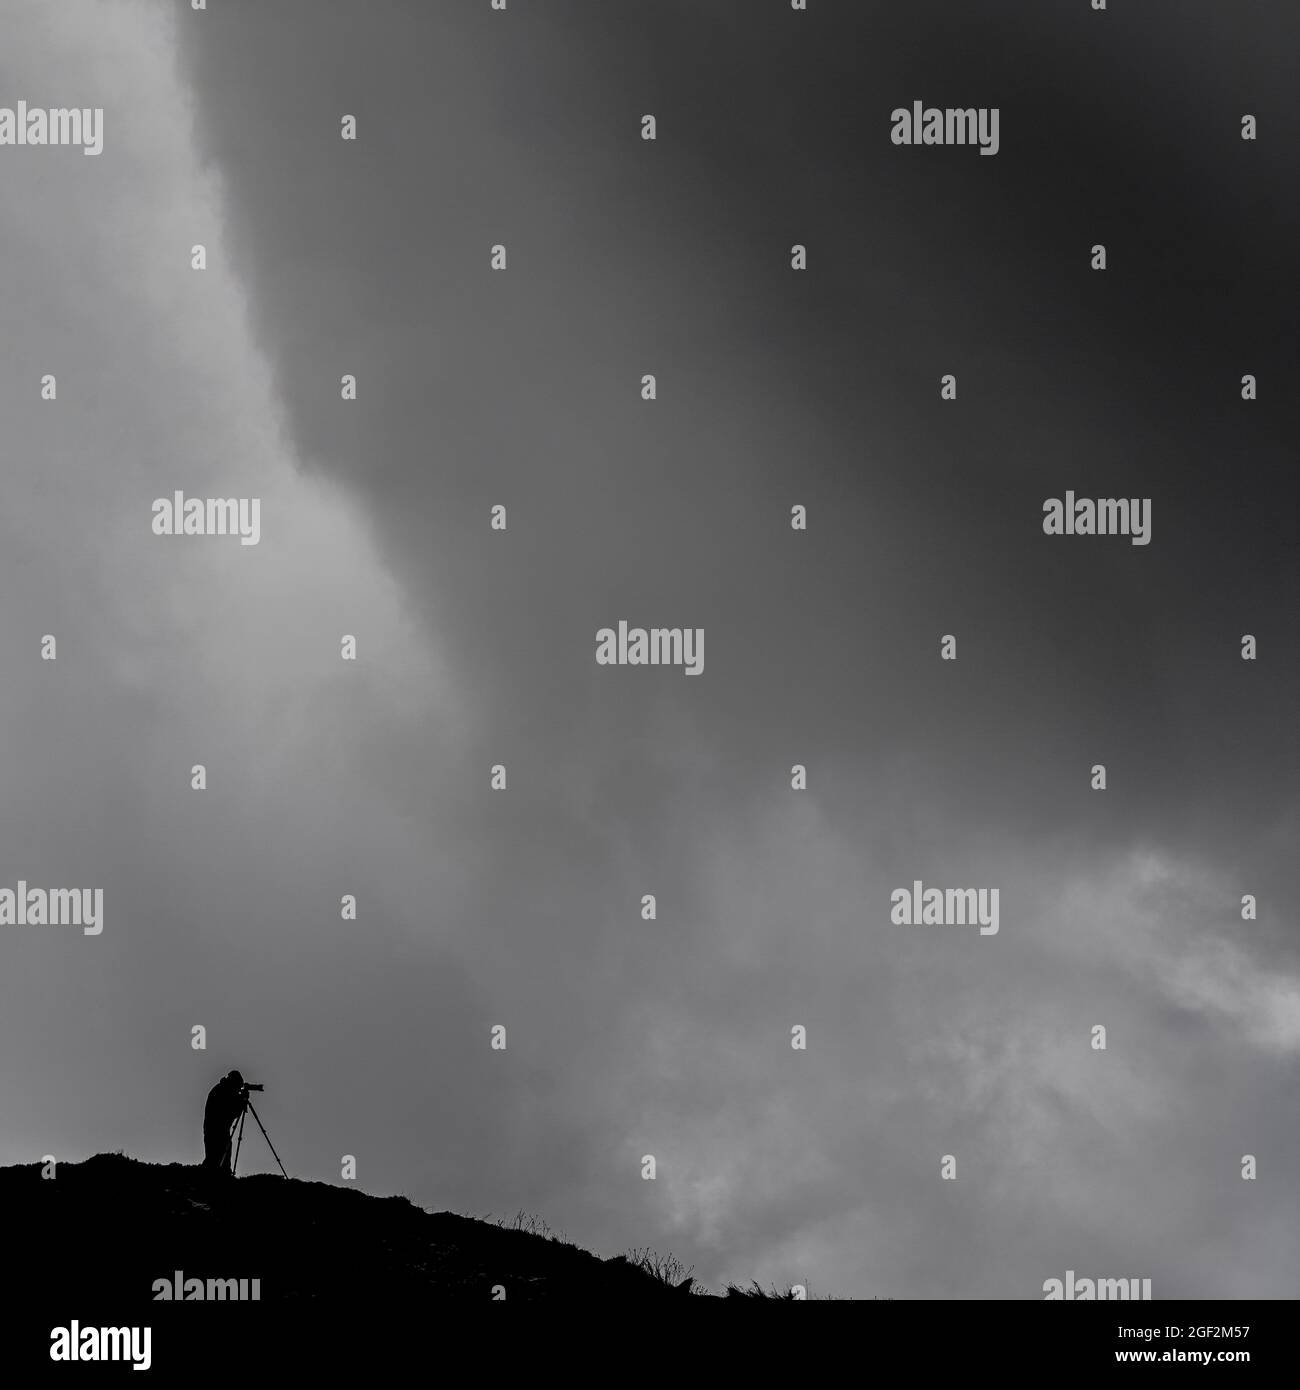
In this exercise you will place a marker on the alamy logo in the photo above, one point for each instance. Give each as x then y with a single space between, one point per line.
953 125
55 907
179 515
950 907
1103 516
1081 1290
77 1343
179 1288
59 125
656 646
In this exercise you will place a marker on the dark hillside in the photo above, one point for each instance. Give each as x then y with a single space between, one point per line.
111 1226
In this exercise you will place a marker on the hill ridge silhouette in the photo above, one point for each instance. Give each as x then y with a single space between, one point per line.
115 1224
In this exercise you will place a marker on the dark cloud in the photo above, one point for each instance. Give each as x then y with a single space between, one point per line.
672 1037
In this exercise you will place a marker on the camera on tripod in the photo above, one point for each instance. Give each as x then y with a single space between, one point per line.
237 1127
244 1093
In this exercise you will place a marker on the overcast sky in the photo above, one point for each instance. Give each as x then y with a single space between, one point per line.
523 908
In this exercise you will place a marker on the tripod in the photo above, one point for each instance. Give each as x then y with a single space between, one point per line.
237 1134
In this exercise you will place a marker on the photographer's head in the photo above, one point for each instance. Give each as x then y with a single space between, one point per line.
235 1078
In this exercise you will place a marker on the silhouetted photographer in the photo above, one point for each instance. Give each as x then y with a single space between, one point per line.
223 1123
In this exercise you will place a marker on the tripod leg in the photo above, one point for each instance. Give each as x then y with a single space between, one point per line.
266 1136
238 1141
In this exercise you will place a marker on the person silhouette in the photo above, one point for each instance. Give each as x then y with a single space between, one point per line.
224 1106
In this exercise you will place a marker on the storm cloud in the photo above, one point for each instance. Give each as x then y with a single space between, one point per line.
522 388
